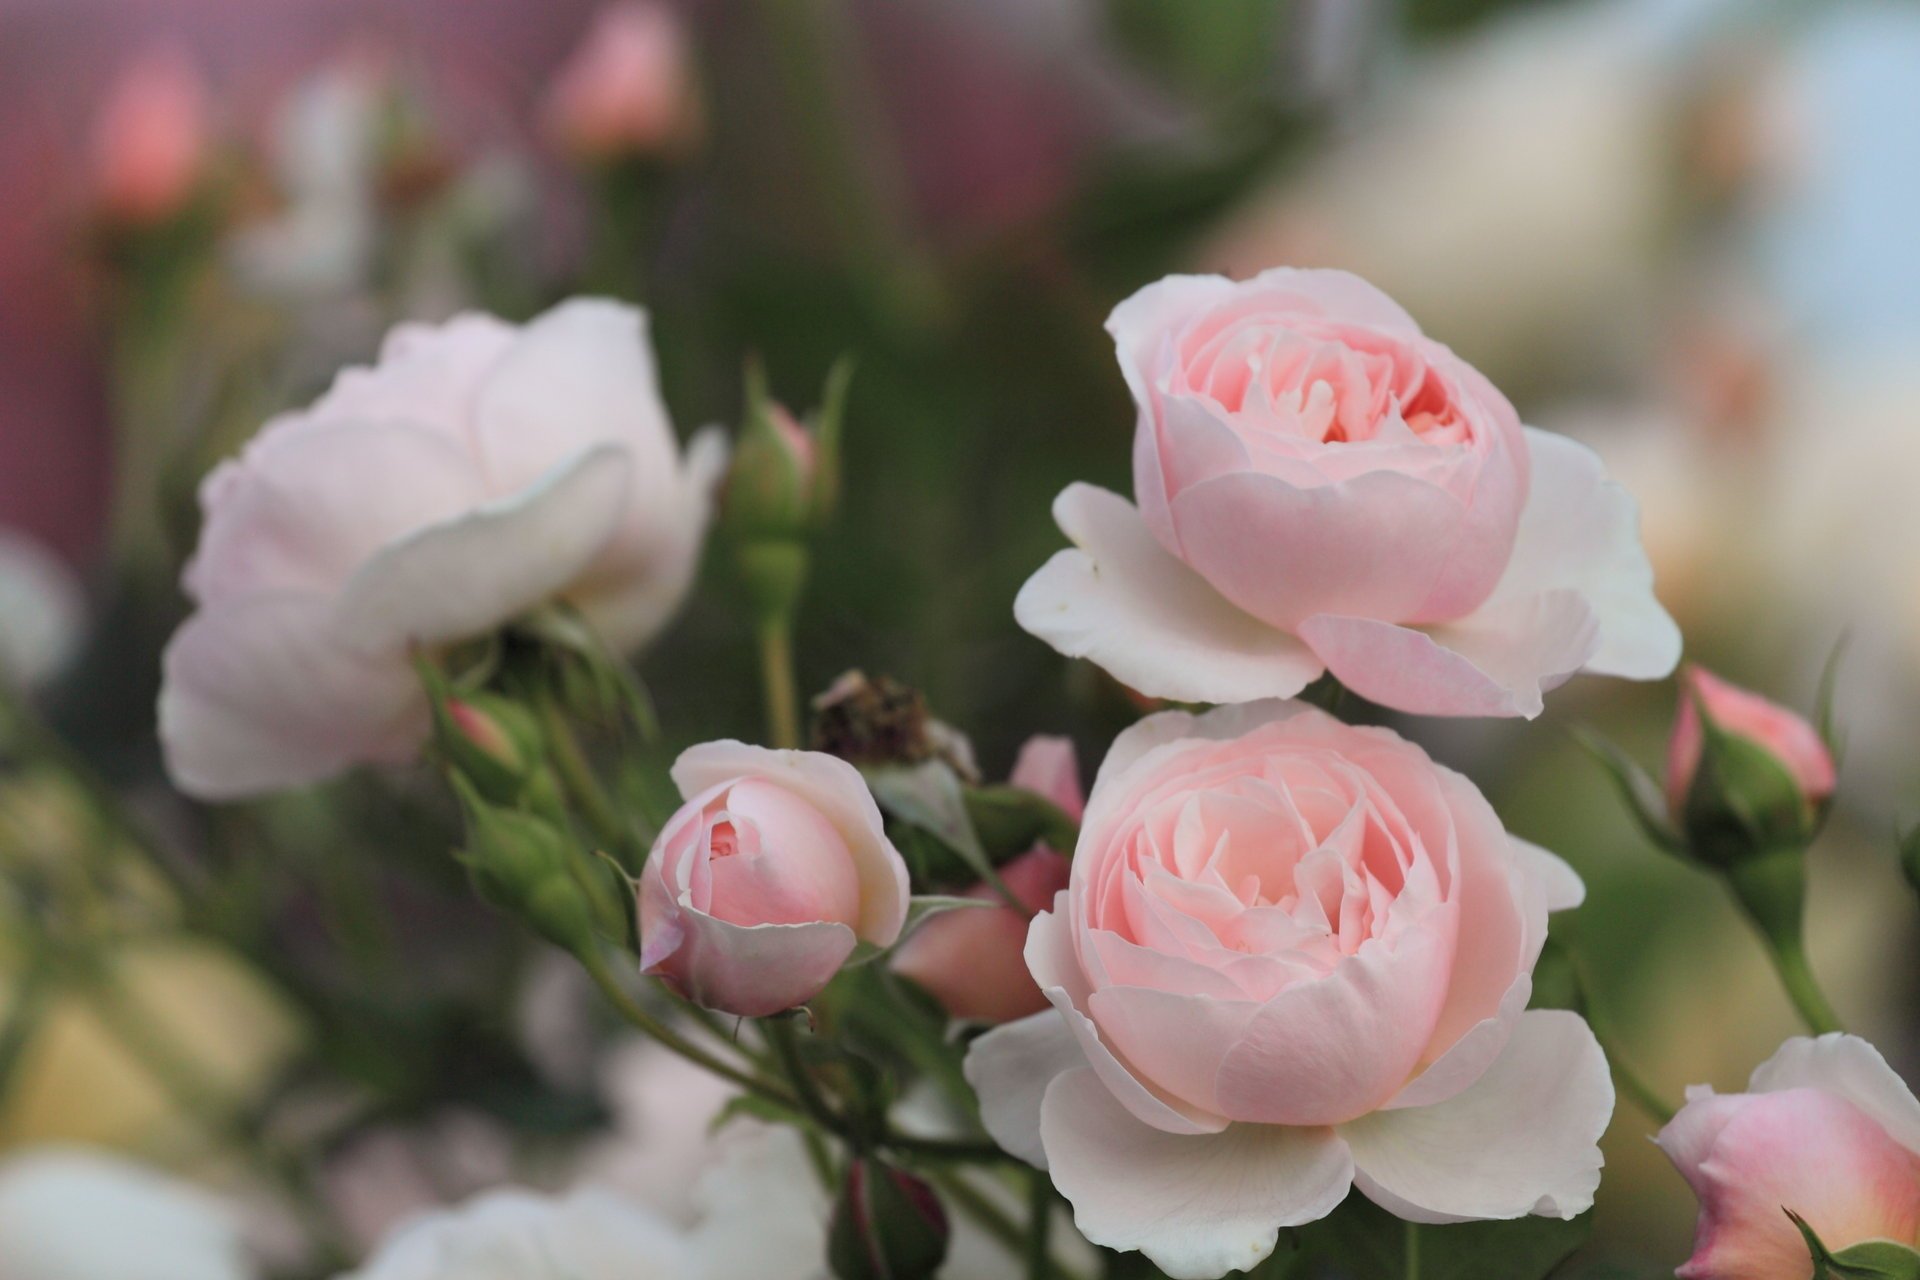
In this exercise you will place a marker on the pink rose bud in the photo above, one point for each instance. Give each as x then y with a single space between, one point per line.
150 140
970 959
629 88
1787 737
886 1225
760 886
1826 1131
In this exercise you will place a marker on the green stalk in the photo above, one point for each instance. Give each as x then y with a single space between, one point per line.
775 634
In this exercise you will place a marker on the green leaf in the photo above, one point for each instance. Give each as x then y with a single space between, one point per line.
1637 788
1362 1241
1823 698
1870 1260
928 795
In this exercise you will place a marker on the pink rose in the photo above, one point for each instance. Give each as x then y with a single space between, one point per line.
971 959
480 470
150 140
759 887
1323 488
1792 741
1827 1130
629 88
1294 956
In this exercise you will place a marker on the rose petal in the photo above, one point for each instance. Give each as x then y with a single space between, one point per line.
1498 662
1581 531
1848 1066
259 694
1196 1206
1562 885
1048 766
1523 1140
754 970
471 574
1010 1068
1149 621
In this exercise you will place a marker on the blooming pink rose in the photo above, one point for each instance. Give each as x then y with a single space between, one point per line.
971 959
629 88
1795 743
1322 487
1294 956
759 887
150 140
1826 1130
480 470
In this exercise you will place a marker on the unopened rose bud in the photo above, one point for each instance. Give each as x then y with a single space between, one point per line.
528 866
629 90
494 741
887 1225
760 886
150 141
783 484
1743 773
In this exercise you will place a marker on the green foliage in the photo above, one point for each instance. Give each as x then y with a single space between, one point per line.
1361 1241
1869 1260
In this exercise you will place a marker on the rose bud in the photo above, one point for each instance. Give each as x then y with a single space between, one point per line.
781 487
1293 959
629 89
1769 777
529 866
970 959
1826 1131
1321 487
760 886
150 141
495 742
887 1225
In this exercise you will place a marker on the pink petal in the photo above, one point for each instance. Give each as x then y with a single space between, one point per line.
1010 1068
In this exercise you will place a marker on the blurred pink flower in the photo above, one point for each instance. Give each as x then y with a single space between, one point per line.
152 138
1826 1130
630 88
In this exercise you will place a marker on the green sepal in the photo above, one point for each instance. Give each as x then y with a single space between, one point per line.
1869 1260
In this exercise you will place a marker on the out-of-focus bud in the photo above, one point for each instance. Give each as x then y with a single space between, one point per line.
629 90
1743 774
887 1225
528 866
971 959
784 481
495 742
150 141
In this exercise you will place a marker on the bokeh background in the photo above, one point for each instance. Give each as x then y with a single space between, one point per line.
1680 230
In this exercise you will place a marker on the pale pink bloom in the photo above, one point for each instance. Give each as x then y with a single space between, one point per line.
72 1213
759 887
479 471
971 959
1788 737
1825 1129
1294 957
1322 487
150 140
629 88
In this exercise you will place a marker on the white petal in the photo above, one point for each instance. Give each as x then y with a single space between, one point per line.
1563 886
1581 531
468 575
1198 1206
1498 661
1152 623
1852 1068
1523 1140
263 693
1010 1068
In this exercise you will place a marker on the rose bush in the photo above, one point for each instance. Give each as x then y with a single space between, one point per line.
480 470
759 887
1826 1130
1294 956
1322 487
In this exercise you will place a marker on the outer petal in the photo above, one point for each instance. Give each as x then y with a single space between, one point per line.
1010 1068
1148 620
469 575
1580 531
263 693
1374 546
1048 766
835 788
1852 1068
1750 1156
1562 885
1497 662
580 375
1150 733
1524 1139
1197 1206
428 374
755 970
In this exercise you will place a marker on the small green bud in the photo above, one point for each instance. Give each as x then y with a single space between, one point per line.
493 741
887 1225
528 866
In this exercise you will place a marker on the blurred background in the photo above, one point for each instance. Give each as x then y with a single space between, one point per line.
1680 230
